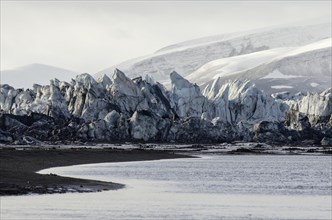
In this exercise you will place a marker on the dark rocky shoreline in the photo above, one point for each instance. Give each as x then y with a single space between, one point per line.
18 168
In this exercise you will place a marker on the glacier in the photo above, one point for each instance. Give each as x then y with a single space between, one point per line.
120 109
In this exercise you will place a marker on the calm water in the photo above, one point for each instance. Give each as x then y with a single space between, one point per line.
213 187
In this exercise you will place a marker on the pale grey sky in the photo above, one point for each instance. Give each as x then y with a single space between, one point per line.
88 36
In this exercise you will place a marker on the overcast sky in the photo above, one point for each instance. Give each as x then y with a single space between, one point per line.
88 36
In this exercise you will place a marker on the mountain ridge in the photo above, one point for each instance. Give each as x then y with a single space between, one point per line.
305 66
186 58
34 73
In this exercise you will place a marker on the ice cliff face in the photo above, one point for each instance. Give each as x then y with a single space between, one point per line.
121 109
238 101
314 104
310 110
189 102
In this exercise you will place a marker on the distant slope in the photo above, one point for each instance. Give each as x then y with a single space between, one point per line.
26 76
230 66
187 57
306 68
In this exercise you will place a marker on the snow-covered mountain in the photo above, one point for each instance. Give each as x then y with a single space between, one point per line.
254 53
26 76
304 68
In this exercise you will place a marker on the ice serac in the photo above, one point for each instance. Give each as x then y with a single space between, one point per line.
123 109
105 81
238 101
58 104
313 110
189 102
88 101
46 100
316 104
126 94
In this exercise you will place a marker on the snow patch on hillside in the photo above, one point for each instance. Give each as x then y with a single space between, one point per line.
233 65
314 84
276 74
281 87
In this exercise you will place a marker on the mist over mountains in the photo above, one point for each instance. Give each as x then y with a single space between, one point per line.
36 73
